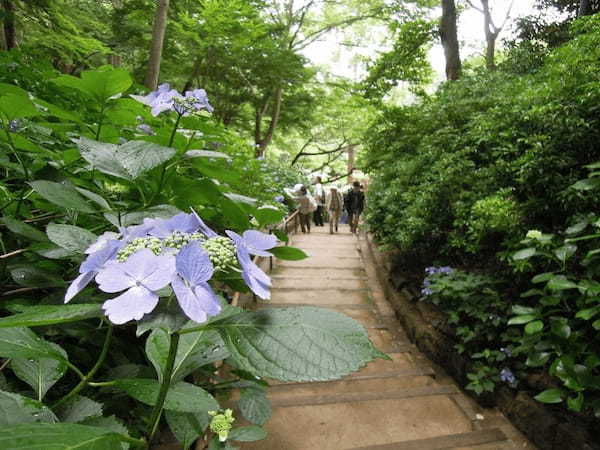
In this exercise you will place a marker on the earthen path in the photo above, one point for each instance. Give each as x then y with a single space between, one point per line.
403 404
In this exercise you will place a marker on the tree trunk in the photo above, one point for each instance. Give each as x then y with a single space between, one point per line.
158 37
263 142
449 37
351 153
585 8
10 31
490 51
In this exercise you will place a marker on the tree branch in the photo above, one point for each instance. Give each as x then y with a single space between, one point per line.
331 180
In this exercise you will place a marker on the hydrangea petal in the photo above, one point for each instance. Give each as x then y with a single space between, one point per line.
197 302
258 240
78 284
159 273
257 286
203 227
95 261
131 305
112 279
193 263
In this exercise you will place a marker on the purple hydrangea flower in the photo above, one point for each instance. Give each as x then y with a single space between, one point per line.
146 129
195 296
140 277
254 242
92 265
199 100
186 223
279 198
204 229
426 292
507 376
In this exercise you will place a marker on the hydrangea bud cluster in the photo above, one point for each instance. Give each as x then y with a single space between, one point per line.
221 251
181 252
429 271
221 423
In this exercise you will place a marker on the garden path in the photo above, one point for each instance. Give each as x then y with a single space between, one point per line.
401 404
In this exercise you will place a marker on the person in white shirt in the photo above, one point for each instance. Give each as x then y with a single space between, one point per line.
335 204
320 198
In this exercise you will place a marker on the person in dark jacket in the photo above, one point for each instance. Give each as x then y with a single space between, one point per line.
354 203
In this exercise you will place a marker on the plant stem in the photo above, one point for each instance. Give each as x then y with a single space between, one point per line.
164 166
93 370
164 387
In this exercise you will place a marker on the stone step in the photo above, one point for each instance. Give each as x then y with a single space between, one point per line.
320 297
324 262
361 313
338 307
471 440
311 272
322 283
349 386
331 252
349 424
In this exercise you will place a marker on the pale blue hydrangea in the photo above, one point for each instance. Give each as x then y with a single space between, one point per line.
507 376
182 252
167 99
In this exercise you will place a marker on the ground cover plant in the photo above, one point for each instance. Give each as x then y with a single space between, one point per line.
124 233
495 175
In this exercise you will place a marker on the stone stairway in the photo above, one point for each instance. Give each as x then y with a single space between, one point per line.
403 404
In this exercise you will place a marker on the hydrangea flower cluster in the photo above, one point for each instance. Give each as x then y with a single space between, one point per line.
167 99
182 252
221 423
429 271
507 376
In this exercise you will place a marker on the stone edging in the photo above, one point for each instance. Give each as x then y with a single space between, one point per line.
535 420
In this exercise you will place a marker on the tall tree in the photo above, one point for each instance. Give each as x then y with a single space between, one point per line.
449 37
9 27
490 29
588 7
158 38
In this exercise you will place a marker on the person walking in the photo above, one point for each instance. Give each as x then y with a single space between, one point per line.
355 203
335 204
320 199
306 206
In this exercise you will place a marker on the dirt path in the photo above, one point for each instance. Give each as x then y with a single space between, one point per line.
403 404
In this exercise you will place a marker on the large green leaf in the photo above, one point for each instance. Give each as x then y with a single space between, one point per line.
526 253
560 283
247 434
23 229
33 276
13 106
24 343
58 436
78 409
289 253
39 373
268 215
16 409
70 237
62 195
549 396
100 84
34 316
187 427
157 350
182 396
254 405
297 344
128 160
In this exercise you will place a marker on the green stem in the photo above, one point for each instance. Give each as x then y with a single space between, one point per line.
164 387
101 121
164 166
93 370
14 151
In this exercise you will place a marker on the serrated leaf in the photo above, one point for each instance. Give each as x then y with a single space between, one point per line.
61 195
196 350
33 316
23 229
565 252
247 434
50 250
110 423
70 237
182 396
526 253
78 409
128 160
39 373
101 84
289 253
519 320
58 436
560 283
33 276
255 406
187 427
549 396
297 344
534 327
23 343
16 409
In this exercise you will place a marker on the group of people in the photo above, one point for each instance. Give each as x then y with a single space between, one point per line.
329 200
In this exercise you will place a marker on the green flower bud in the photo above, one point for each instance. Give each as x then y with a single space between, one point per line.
221 423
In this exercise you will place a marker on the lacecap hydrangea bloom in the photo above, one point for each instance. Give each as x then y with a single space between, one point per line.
167 99
181 252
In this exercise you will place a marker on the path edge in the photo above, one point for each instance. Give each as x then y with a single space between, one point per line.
539 424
